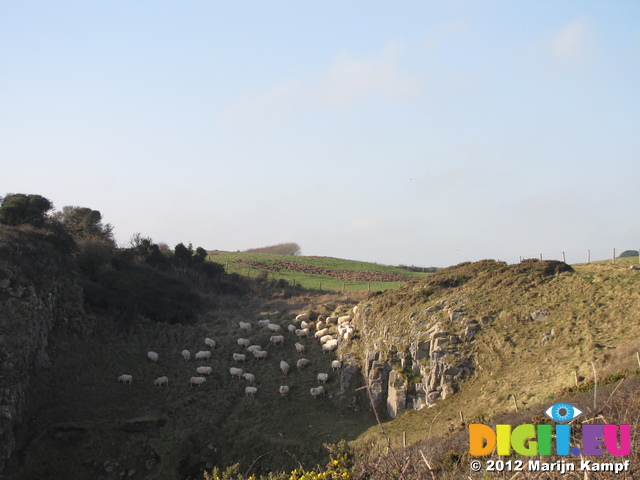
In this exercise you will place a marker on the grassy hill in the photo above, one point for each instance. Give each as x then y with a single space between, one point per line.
317 273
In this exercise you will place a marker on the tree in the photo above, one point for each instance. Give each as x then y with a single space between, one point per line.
19 208
182 252
83 223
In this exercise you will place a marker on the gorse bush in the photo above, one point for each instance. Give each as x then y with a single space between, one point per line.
279 249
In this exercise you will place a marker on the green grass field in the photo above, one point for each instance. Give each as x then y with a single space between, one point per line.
270 266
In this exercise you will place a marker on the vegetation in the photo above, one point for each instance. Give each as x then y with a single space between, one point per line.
279 249
628 253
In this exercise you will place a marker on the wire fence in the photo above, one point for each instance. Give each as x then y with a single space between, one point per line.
579 256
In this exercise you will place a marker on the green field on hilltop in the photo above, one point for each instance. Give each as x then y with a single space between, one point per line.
318 273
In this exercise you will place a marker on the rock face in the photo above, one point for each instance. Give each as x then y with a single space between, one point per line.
30 306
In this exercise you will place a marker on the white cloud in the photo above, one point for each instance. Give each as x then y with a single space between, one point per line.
348 81
575 43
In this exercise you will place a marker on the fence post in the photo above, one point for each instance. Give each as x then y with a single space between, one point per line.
540 257
369 286
613 255
589 256
564 259
343 286
320 285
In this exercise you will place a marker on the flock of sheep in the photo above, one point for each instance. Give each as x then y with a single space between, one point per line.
325 334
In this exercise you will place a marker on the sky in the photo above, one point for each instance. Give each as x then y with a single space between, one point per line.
421 133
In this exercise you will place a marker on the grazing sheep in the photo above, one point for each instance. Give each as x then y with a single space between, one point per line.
260 354
284 366
253 348
164 381
304 324
236 372
301 363
302 332
274 328
244 342
344 319
325 338
263 323
126 379
186 355
239 357
315 392
153 356
333 320
277 339
210 342
204 370
249 377
299 348
245 326
323 377
197 381
320 325
284 390
250 391
302 317
355 309
203 355
321 333
292 328
330 346
336 365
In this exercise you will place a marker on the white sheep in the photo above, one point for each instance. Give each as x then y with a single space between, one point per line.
253 348
236 372
304 324
274 328
302 332
264 322
284 390
299 348
277 339
292 328
250 391
320 325
325 338
197 381
344 319
321 333
244 326
336 365
323 377
284 366
244 342
203 355
315 392
330 346
204 370
239 357
210 342
302 317
249 377
126 379
355 310
186 355
333 320
164 381
260 354
153 356
301 363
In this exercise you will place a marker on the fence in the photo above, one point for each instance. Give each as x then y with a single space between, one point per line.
585 256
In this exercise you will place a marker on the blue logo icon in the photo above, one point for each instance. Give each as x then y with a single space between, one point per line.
563 412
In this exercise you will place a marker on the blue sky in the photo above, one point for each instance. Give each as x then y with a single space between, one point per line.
406 132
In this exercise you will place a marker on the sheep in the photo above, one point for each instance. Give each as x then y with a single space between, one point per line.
302 332
253 348
284 366
236 372
244 342
315 392
332 320
304 324
323 377
210 342
299 348
153 356
239 357
204 370
203 355
325 338
330 346
301 363
284 390
126 379
263 323
336 365
164 381
249 377
186 355
292 328
250 391
302 317
245 326
355 310
274 328
260 354
197 381
277 339
320 325
344 319
321 333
